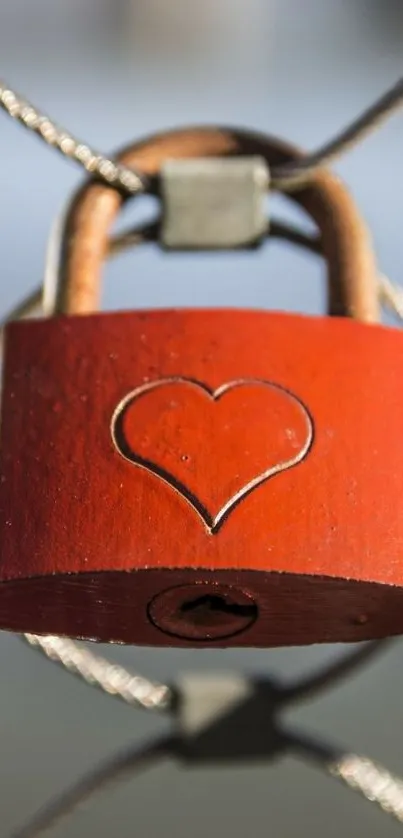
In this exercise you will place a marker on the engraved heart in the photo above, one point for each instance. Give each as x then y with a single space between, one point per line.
212 446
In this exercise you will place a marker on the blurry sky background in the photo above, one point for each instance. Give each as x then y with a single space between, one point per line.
112 71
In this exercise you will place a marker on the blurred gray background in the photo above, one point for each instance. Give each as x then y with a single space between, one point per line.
113 70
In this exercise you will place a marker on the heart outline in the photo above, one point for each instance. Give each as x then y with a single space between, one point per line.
212 523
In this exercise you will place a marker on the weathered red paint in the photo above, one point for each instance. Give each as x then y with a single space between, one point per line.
125 436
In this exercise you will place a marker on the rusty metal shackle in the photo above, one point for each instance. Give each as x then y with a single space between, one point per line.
352 275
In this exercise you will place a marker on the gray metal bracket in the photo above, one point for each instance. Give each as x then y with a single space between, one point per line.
213 203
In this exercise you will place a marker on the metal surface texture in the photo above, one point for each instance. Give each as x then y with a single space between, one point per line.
255 380
286 177
361 774
185 515
74 287
230 719
213 203
92 161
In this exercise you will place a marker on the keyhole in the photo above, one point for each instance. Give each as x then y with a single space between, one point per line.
210 606
203 612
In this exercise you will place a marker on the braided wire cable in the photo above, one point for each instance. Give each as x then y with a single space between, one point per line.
366 777
95 670
363 775
109 677
372 781
285 178
292 176
110 774
110 172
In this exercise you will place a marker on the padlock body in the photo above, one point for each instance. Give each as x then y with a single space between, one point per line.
220 477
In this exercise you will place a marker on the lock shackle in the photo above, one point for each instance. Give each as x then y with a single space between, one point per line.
346 246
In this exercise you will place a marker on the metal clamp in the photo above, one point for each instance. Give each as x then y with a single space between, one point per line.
214 203
227 719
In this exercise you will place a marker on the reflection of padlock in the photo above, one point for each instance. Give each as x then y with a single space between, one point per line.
204 477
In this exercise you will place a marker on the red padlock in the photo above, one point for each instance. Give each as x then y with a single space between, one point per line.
214 477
